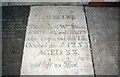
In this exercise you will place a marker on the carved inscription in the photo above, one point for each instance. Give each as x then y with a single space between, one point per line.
12 26
56 42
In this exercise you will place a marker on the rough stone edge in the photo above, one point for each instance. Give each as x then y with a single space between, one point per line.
0 38
44 3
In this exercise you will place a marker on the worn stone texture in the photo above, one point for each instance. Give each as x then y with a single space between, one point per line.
14 21
60 1
45 1
45 33
0 40
102 24
103 29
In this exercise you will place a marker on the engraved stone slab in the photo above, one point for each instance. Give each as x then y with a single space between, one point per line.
56 42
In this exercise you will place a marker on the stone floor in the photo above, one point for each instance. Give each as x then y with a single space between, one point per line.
103 31
13 35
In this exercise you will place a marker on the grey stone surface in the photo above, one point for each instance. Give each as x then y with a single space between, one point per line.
60 1
46 1
56 42
0 40
119 41
43 3
103 29
14 20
